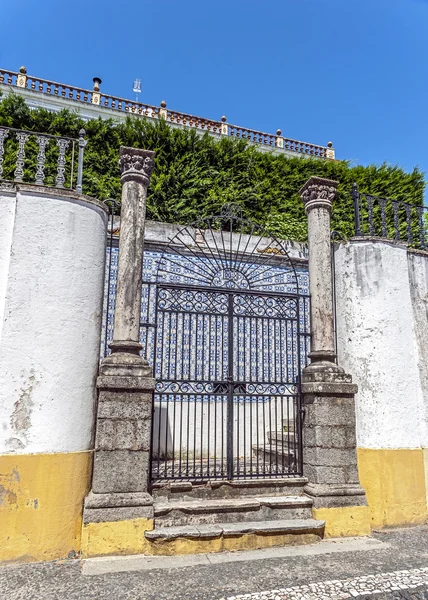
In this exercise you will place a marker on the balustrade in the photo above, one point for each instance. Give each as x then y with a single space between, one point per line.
95 97
33 157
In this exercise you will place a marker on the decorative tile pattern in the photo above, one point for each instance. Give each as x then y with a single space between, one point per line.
409 585
281 280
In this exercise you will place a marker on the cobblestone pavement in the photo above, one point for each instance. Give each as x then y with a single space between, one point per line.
238 574
410 585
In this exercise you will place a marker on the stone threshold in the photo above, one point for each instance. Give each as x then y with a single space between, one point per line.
285 527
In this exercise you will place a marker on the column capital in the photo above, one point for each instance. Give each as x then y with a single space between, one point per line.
136 165
318 192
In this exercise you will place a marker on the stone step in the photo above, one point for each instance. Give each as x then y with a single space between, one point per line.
274 456
238 488
281 437
248 509
280 532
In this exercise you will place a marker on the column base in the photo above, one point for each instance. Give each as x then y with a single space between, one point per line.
334 496
329 451
120 506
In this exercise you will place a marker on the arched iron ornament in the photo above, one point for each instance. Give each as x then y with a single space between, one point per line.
228 352
228 251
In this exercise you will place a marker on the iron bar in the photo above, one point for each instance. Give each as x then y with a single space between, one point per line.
356 199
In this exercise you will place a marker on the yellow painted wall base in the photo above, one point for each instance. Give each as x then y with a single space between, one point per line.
426 473
247 541
116 537
395 485
344 520
127 537
41 504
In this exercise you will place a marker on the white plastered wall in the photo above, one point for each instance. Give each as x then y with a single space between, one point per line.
52 254
382 327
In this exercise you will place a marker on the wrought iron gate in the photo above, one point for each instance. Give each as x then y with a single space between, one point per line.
229 346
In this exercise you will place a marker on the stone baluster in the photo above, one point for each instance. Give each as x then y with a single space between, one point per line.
329 433
122 444
82 145
22 138
42 142
62 144
3 135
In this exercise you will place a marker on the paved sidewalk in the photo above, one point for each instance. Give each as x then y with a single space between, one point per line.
279 571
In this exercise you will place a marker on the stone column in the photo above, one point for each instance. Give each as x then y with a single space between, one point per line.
122 444
329 435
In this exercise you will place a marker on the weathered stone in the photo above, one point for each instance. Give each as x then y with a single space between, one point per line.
283 527
329 388
123 434
330 496
136 167
325 436
331 457
124 405
325 475
330 411
120 471
292 527
126 384
111 500
246 509
104 515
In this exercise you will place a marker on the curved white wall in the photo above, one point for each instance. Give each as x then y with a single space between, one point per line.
380 289
52 254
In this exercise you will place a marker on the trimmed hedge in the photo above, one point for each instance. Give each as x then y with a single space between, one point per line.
196 174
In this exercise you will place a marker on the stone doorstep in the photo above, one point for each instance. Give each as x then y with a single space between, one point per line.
286 527
230 504
275 449
281 437
220 488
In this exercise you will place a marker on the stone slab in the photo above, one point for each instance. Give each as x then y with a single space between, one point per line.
126 513
284 527
118 499
126 382
296 526
284 501
203 506
120 471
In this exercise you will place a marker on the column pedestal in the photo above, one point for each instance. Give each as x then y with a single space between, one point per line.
329 454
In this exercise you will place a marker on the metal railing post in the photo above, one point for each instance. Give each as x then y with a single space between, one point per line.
82 144
356 198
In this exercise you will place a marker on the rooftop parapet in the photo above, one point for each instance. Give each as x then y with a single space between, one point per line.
97 99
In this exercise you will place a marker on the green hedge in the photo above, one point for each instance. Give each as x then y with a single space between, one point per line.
195 175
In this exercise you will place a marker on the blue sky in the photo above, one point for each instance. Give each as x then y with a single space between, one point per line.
351 71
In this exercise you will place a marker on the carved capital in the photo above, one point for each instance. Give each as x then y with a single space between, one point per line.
318 193
136 165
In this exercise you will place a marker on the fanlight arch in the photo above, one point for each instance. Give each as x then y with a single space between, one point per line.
228 251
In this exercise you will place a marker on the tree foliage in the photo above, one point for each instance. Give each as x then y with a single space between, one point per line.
196 174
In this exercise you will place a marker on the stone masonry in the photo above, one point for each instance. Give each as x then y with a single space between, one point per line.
122 444
329 437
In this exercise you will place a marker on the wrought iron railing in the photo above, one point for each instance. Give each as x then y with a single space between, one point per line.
392 219
96 97
32 157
